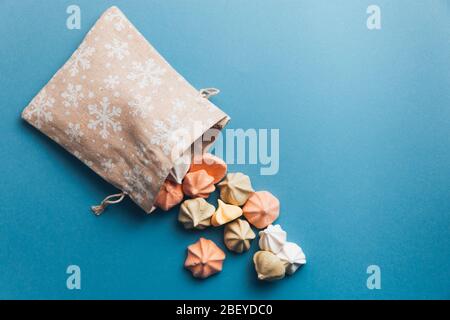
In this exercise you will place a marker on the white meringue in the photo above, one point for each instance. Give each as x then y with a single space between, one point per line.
272 238
292 257
180 168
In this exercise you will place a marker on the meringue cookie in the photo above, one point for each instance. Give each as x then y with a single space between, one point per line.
292 257
237 235
272 238
268 266
261 209
180 168
169 196
225 213
196 213
204 258
214 166
198 184
236 188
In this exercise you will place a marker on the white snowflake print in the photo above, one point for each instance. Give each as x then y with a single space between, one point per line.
164 133
147 73
111 82
80 157
74 132
117 19
136 183
39 109
117 49
141 152
72 95
163 172
178 105
140 106
80 60
104 118
107 165
201 102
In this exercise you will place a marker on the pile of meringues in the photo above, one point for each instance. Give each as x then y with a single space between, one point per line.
197 179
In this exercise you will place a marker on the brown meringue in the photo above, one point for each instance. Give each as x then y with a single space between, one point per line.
214 166
238 235
196 213
169 196
198 184
204 258
235 188
268 266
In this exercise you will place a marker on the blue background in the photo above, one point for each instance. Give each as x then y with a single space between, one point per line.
364 178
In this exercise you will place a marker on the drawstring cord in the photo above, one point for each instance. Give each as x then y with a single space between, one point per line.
112 199
209 92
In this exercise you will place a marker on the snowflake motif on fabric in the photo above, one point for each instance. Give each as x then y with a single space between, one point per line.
80 157
74 132
117 19
117 49
39 109
80 60
136 183
163 172
72 95
107 165
111 82
164 136
202 102
141 152
178 105
147 73
104 118
140 106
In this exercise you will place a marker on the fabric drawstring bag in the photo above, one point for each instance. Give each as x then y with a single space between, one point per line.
119 107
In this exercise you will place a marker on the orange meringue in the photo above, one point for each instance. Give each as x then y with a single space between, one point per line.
198 184
261 209
169 196
214 166
204 258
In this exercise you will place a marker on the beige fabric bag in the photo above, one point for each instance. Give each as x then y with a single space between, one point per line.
120 108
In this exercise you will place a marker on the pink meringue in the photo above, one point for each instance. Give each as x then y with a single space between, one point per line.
169 196
198 184
261 209
214 166
204 258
